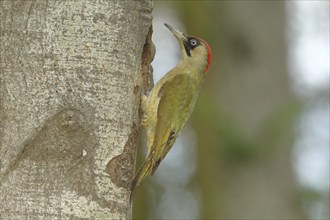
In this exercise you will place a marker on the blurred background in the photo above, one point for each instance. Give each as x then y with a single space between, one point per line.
257 145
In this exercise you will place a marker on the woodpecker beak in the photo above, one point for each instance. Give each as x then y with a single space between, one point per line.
178 34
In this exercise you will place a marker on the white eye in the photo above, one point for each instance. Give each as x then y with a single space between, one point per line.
193 42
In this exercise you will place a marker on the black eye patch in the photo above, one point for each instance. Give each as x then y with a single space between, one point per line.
190 44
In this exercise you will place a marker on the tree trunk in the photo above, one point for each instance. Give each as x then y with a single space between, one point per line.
71 77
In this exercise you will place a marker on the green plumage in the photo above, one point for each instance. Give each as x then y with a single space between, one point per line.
171 102
177 99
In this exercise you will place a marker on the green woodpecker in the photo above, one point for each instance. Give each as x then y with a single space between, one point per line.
171 102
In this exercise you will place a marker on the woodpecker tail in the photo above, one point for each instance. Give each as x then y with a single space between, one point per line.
144 171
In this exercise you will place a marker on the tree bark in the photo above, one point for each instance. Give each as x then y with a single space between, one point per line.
71 77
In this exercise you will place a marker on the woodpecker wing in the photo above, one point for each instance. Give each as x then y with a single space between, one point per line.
176 100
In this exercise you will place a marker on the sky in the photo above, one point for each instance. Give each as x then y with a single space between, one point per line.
308 37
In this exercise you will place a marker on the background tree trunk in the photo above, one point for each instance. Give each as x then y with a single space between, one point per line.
71 77
246 112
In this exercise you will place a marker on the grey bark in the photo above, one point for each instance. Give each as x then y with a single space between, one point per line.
70 82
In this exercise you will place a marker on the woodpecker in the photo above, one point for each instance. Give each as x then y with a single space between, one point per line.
171 102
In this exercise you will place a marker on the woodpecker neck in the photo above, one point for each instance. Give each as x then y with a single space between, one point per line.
194 65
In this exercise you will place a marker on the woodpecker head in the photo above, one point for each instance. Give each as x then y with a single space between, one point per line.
195 51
